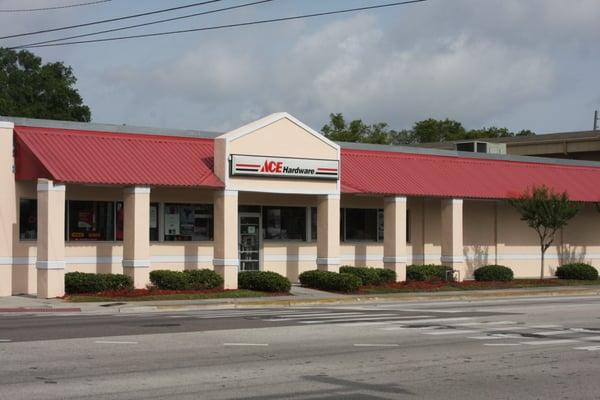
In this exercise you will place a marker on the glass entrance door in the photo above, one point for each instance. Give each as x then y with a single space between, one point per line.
249 241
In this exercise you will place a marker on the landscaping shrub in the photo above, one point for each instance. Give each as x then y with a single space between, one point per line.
170 280
79 282
426 272
368 276
200 279
265 281
386 275
493 273
330 281
579 271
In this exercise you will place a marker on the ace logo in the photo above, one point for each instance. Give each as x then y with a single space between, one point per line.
272 166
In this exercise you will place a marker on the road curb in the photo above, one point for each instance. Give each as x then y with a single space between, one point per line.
361 299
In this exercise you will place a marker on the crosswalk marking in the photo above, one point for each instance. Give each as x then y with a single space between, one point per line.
501 344
551 333
448 332
588 348
545 342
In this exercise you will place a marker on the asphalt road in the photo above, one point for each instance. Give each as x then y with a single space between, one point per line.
543 348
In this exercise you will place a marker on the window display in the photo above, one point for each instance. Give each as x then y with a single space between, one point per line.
188 222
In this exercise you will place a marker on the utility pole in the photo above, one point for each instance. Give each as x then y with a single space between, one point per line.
596 120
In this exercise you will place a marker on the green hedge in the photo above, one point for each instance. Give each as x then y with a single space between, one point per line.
493 273
200 279
187 280
330 281
426 272
579 271
79 282
264 281
370 276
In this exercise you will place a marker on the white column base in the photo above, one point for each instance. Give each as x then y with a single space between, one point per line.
229 273
50 283
139 271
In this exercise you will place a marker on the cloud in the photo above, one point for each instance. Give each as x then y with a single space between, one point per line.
352 66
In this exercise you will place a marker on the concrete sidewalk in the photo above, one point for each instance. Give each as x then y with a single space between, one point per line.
299 297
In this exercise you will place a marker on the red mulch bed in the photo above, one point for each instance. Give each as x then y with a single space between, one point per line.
470 284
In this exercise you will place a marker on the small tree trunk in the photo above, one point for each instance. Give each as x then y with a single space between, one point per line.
542 262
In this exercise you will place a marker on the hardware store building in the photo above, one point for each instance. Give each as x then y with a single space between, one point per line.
272 195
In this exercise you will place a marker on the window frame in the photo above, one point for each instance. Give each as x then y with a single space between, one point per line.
344 225
34 200
265 221
162 231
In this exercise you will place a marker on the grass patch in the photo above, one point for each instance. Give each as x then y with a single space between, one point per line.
440 286
157 295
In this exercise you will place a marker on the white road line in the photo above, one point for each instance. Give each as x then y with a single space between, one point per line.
494 337
432 320
546 326
337 320
362 323
376 345
588 348
319 316
393 328
246 344
549 342
584 330
591 338
499 323
448 332
510 328
5 340
501 344
113 342
431 310
550 333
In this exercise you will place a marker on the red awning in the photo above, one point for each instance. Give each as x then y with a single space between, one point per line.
388 173
73 156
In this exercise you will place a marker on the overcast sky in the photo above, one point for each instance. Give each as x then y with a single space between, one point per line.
521 64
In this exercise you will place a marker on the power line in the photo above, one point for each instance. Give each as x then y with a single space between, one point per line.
208 28
143 24
110 20
89 3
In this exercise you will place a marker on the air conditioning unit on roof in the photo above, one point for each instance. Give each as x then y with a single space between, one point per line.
475 146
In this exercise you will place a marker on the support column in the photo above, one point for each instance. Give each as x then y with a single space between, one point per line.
50 265
394 238
136 235
452 235
328 233
9 228
226 252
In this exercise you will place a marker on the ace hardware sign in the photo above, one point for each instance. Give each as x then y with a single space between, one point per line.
279 167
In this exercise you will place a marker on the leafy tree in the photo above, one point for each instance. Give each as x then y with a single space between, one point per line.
433 130
425 131
29 88
356 131
546 212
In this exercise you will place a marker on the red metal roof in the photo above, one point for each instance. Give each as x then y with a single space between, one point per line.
381 172
74 156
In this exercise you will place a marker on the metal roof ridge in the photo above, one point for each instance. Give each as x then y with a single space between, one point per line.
109 128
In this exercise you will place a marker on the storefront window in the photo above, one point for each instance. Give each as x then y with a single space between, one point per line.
120 214
28 219
188 222
284 223
91 220
362 224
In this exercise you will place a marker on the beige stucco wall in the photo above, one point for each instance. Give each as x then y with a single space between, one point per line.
8 211
281 138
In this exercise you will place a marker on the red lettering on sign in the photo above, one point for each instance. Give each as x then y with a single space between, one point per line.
272 166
